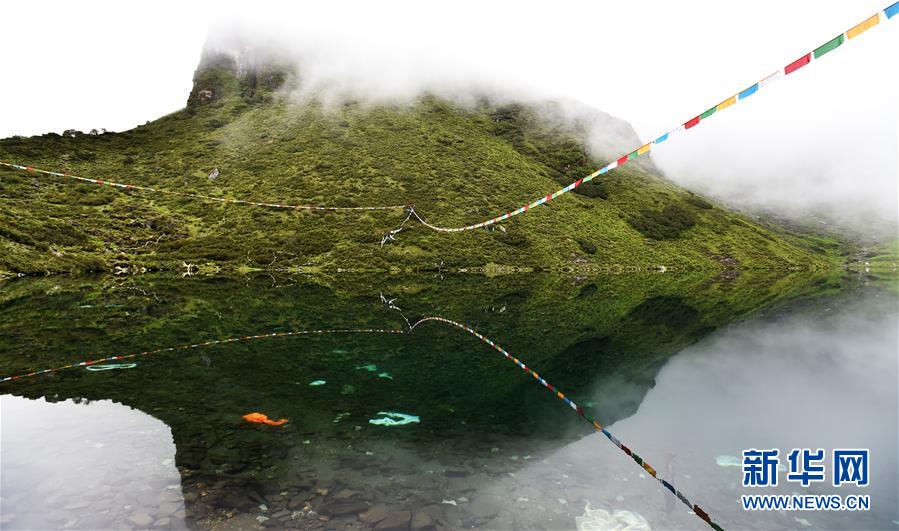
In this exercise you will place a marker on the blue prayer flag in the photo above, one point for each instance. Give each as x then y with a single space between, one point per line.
749 92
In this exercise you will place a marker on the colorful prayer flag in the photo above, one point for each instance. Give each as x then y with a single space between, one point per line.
772 78
863 27
727 103
797 64
891 11
749 92
828 46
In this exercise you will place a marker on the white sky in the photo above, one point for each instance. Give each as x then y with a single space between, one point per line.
825 137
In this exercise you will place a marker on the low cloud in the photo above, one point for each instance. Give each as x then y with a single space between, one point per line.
819 146
822 141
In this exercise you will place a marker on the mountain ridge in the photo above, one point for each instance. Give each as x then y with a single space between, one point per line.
456 163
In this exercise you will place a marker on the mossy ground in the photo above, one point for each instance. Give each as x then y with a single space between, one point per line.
456 165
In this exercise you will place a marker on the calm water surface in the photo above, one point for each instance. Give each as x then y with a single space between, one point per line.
686 370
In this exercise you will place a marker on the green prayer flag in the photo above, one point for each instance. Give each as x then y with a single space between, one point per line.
708 113
828 46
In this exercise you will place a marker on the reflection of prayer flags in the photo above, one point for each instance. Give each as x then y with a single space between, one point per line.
798 63
863 27
702 514
708 113
828 46
892 10
644 149
727 103
691 123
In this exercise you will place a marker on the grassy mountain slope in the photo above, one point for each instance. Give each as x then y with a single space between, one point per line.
456 164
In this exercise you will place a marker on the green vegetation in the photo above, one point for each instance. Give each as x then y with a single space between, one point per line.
457 165
665 225
884 256
581 336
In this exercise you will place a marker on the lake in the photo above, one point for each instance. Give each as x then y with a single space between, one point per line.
393 428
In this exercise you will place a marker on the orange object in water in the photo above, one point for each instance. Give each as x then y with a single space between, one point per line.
262 418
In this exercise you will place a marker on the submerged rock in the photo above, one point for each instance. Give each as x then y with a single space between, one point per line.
600 519
342 508
422 520
395 520
141 519
374 514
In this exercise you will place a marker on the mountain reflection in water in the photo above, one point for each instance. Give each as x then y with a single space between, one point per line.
491 448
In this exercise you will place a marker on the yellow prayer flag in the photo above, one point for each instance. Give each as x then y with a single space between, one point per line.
864 26
643 149
727 103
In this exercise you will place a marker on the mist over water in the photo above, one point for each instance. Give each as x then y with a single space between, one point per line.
103 458
810 376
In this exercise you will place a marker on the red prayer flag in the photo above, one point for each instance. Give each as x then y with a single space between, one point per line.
622 160
798 63
691 123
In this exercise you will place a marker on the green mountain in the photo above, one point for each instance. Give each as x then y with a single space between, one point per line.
457 164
